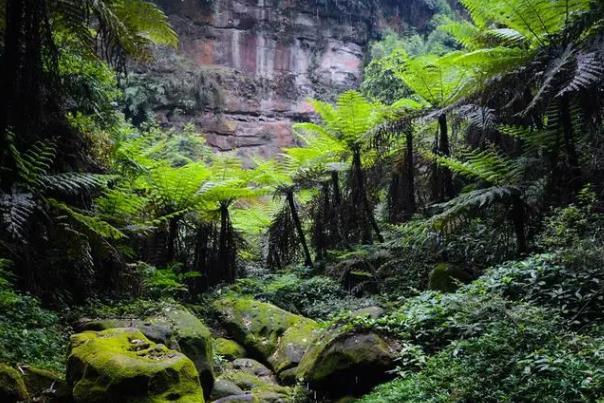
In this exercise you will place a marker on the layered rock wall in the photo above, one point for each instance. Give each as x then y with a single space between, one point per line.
244 68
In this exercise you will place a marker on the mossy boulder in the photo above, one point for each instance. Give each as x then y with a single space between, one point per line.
445 277
255 389
255 368
344 362
291 348
12 386
257 325
229 349
194 340
122 365
224 388
46 386
174 327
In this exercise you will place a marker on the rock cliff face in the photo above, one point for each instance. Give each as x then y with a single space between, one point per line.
244 68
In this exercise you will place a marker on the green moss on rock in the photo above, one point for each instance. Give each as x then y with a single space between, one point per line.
175 327
342 362
257 325
292 346
123 365
194 340
229 349
255 385
445 277
12 386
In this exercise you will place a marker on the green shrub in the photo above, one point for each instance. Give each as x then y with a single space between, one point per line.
568 281
126 308
29 334
432 320
522 357
317 297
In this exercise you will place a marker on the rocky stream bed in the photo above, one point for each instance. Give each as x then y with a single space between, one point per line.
258 353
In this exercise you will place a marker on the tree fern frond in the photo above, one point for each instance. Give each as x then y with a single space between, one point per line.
146 20
90 223
15 210
34 163
507 36
556 67
466 203
74 182
489 166
588 72
465 33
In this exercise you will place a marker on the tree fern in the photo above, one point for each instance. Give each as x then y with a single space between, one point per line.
89 222
74 182
533 21
16 210
351 118
127 25
438 80
587 72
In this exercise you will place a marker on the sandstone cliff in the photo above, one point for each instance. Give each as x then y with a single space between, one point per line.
244 68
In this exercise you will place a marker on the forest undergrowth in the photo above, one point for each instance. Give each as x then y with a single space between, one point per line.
453 205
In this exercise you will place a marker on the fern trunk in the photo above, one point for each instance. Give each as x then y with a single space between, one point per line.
402 188
574 169
361 196
519 221
298 224
21 80
445 177
171 241
226 247
337 218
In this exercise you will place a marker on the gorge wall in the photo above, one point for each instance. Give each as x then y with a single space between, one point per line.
244 68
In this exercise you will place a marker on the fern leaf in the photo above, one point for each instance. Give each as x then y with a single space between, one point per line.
588 71
15 210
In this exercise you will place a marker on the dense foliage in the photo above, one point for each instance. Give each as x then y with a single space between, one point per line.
460 191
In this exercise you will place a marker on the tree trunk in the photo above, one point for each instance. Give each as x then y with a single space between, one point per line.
362 193
337 194
409 178
200 261
323 226
519 221
225 254
294 211
569 144
337 211
446 178
10 73
172 238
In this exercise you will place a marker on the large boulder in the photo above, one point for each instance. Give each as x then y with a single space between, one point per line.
12 386
343 362
174 327
257 325
291 348
194 340
122 365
